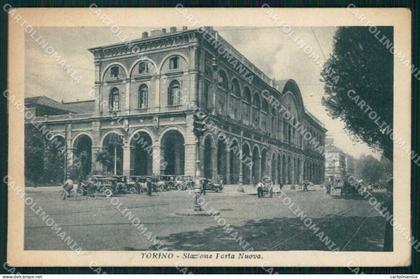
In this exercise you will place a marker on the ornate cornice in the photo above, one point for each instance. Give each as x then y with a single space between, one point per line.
134 47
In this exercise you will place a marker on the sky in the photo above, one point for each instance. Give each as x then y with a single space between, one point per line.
269 48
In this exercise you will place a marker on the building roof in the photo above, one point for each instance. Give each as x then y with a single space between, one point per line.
81 106
69 107
46 102
314 119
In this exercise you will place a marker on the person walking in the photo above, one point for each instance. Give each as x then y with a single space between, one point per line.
260 186
305 186
149 186
204 185
67 188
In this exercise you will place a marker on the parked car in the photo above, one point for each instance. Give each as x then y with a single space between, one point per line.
215 185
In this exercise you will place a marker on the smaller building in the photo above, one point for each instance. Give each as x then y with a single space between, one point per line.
350 164
337 163
42 105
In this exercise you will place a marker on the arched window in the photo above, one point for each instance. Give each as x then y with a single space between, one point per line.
222 80
257 101
143 96
206 99
143 68
235 88
115 71
247 95
265 106
174 93
174 63
114 100
247 106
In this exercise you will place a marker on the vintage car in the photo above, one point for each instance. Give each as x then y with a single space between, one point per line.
215 185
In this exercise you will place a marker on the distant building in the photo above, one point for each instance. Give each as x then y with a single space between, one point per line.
337 163
142 113
350 164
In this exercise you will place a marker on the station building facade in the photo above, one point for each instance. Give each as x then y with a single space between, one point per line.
142 113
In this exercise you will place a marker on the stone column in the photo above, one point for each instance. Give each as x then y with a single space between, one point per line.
241 176
158 163
301 171
293 170
127 95
126 159
190 159
190 148
96 141
96 167
214 160
69 148
228 174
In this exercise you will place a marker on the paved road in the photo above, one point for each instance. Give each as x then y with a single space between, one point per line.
267 224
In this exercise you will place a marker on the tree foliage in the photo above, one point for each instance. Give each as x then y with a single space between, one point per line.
44 163
362 64
372 170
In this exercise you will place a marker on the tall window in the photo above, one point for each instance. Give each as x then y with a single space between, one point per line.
256 111
206 96
174 62
114 100
222 80
143 102
235 88
174 93
115 71
143 68
247 100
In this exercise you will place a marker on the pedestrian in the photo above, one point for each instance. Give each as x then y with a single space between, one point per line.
149 186
328 187
281 185
204 186
260 186
67 188
305 186
90 188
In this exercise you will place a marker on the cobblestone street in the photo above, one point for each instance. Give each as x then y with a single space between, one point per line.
266 224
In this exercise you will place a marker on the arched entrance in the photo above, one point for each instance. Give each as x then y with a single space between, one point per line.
208 157
141 154
82 155
221 159
246 164
234 162
256 163
111 156
173 153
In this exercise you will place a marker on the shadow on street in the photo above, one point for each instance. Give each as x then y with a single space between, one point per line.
352 233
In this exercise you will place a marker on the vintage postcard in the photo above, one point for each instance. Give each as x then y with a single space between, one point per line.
209 137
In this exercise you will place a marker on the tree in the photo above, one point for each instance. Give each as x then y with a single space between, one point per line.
358 74
362 65
370 169
106 159
34 155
